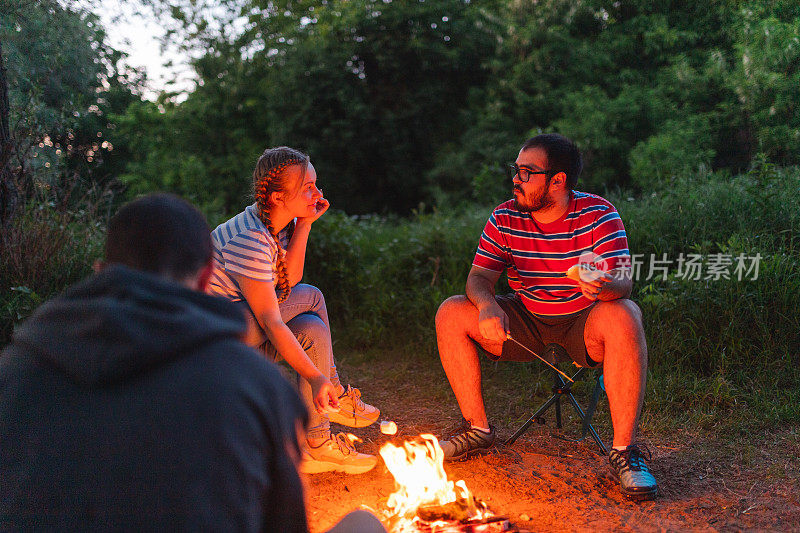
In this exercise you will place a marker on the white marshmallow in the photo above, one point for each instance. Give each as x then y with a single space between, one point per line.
388 427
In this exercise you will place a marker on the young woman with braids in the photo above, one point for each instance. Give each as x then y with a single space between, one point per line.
258 260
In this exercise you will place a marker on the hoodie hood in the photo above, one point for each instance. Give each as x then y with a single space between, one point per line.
121 323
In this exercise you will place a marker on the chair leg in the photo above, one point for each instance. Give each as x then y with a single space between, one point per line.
598 390
532 419
561 388
583 418
558 411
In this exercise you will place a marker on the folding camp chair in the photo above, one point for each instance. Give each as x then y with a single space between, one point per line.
562 388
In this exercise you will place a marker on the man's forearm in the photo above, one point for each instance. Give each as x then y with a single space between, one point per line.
480 291
619 287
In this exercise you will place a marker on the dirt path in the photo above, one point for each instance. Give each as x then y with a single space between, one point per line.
543 483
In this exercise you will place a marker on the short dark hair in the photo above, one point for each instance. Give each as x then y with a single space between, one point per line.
159 233
562 155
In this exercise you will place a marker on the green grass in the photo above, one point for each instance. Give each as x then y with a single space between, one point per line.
724 355
46 248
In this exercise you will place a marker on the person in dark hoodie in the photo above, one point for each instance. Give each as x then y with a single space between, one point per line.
129 402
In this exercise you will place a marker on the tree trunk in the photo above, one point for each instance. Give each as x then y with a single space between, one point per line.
8 189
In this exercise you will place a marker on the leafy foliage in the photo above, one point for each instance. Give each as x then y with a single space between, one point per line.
64 81
401 102
369 89
723 342
405 102
647 89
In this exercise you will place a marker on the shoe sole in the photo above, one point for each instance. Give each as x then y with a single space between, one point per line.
640 496
318 467
353 422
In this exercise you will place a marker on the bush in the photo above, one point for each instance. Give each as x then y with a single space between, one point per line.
681 148
47 247
724 342
384 277
728 345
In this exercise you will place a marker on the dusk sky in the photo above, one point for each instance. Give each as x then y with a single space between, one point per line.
138 34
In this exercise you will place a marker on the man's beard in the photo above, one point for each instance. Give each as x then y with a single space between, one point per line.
540 200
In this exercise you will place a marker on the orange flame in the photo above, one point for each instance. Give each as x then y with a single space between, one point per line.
418 470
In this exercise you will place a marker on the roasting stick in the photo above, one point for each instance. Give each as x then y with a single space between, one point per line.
542 359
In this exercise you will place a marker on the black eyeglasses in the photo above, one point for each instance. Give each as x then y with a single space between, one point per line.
525 173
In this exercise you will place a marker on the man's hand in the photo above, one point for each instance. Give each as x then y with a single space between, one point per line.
325 398
493 323
591 287
590 279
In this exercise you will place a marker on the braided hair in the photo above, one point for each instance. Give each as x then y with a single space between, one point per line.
270 176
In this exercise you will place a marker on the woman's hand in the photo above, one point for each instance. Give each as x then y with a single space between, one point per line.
321 206
325 398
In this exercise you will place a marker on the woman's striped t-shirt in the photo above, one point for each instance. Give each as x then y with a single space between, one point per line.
243 246
537 256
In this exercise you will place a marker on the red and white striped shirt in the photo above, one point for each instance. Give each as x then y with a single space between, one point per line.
538 255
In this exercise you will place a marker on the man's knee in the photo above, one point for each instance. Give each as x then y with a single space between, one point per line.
618 314
451 311
358 521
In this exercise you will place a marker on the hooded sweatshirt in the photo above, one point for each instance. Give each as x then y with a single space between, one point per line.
129 403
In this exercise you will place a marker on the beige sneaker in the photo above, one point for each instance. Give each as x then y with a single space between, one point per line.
353 412
336 454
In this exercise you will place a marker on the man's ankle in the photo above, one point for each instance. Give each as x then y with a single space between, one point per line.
481 424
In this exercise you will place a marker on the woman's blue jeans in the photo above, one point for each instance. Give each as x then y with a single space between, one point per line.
305 314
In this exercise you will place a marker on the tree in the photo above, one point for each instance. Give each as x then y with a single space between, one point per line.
370 89
647 89
8 192
63 81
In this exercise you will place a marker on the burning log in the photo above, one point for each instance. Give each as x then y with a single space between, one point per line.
488 525
425 499
460 510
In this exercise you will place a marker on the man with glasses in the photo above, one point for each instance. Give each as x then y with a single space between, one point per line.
536 237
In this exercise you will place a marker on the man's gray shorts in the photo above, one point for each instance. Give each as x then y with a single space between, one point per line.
536 332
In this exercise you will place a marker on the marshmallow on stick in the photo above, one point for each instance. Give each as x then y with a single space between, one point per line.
585 272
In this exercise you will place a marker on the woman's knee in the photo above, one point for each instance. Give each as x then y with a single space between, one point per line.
309 290
309 329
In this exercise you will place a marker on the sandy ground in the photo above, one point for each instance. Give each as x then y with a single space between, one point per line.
544 483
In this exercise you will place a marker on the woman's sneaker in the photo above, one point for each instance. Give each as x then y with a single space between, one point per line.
336 454
467 441
629 468
353 412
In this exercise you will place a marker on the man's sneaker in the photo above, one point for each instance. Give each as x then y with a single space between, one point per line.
336 454
629 468
467 441
353 412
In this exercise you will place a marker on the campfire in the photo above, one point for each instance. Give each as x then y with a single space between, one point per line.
425 500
